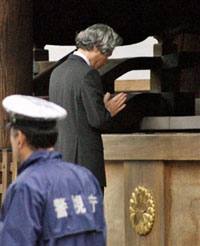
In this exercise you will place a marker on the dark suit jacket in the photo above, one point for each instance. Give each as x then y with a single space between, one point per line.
77 87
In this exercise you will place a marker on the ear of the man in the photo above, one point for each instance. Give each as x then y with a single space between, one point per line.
21 139
95 49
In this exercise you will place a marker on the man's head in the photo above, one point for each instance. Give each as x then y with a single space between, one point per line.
98 41
32 124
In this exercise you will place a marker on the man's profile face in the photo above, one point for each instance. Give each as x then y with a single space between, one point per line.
99 59
102 60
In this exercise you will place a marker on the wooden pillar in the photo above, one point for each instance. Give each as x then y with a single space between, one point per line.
16 53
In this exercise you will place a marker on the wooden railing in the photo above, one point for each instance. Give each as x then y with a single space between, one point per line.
8 171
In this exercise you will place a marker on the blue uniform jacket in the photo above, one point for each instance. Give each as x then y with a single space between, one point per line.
52 203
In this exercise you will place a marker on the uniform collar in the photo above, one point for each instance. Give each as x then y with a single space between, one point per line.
39 156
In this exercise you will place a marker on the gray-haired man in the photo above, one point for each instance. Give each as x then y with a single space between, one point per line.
76 86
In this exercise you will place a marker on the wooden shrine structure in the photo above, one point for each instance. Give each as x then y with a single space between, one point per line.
153 171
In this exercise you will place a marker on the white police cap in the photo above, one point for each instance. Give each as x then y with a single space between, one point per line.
24 108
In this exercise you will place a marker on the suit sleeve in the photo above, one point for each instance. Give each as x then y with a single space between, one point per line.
21 224
92 95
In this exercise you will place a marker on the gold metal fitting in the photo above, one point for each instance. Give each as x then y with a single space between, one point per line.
142 210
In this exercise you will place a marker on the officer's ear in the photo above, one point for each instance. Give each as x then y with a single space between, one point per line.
21 139
18 137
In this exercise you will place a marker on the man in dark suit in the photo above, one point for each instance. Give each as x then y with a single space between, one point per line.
76 86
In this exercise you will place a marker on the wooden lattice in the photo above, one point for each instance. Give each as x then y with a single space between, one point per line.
8 171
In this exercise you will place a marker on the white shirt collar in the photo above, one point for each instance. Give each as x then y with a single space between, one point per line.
82 56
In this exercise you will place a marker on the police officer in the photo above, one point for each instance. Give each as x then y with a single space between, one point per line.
52 202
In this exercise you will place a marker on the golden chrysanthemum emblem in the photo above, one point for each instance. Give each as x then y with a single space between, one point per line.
142 210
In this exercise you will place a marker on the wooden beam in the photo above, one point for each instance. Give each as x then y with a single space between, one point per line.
43 65
132 85
171 123
158 146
